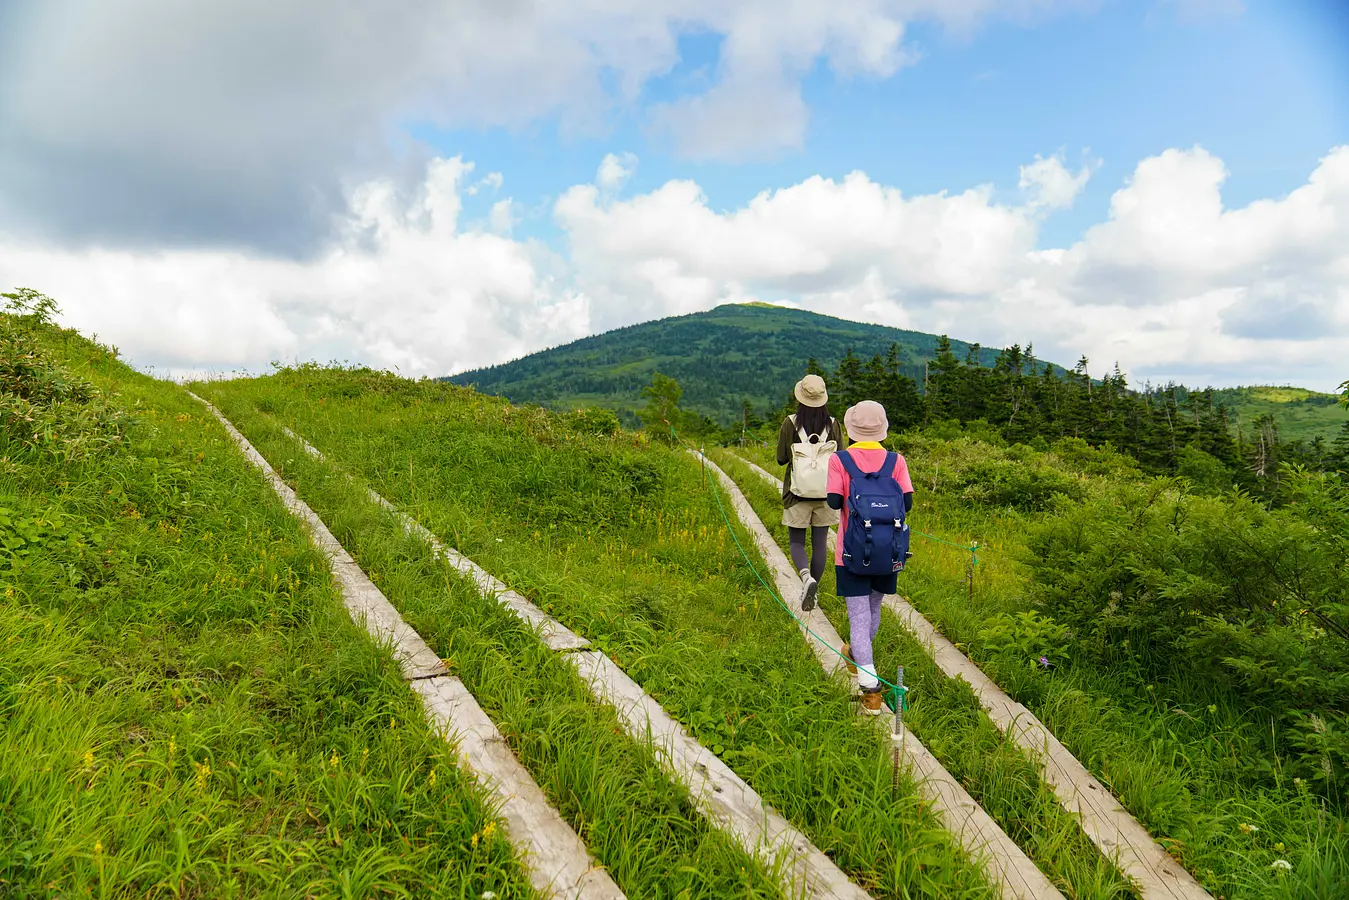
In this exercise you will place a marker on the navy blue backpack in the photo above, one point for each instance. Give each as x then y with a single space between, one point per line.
876 541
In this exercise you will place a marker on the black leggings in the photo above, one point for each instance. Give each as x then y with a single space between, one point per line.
818 535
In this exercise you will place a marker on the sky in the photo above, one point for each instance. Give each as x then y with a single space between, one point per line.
439 185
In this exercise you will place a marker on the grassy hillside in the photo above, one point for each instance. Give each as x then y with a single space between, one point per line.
186 708
721 358
1301 414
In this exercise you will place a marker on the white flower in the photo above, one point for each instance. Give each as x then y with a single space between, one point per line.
1281 865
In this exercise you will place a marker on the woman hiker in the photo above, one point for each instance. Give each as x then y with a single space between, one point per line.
806 442
862 583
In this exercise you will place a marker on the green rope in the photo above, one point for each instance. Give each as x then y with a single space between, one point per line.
901 690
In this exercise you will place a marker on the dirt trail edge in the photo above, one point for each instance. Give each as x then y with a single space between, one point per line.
800 868
553 855
1007 866
1155 873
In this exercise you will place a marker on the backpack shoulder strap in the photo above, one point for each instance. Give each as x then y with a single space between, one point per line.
887 469
849 464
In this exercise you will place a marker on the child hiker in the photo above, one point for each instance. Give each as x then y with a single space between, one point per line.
806 442
871 488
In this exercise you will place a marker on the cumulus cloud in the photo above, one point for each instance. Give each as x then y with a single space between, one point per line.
403 286
1048 184
668 251
615 170
156 122
1172 284
1258 291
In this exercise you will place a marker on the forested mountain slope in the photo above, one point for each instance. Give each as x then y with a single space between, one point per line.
721 358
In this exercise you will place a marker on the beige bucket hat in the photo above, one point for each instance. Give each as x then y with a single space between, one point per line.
810 391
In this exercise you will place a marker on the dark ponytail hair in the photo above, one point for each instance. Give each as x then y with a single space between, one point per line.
815 419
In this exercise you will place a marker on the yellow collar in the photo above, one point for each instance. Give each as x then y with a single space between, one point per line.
866 445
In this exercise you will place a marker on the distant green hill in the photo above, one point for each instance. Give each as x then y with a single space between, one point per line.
1300 414
736 352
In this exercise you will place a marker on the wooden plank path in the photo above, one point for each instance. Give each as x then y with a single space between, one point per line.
719 794
982 838
1118 835
553 856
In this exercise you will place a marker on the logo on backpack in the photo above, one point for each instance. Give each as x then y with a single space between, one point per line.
876 539
810 466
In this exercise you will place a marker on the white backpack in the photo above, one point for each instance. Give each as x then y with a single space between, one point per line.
810 466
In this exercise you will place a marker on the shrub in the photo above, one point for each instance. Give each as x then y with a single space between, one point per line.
43 406
1256 600
1205 472
593 420
1015 484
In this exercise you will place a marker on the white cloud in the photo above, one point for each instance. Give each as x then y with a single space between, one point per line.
614 171
668 251
1260 292
1171 284
151 121
502 217
403 287
1048 184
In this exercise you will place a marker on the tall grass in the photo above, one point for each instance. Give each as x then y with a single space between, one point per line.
633 819
186 709
946 716
1177 753
621 542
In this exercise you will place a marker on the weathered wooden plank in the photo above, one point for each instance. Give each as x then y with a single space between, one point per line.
554 857
555 852
720 794
982 838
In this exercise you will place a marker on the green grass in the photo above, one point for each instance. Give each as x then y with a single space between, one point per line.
1177 755
621 542
634 820
946 717
186 709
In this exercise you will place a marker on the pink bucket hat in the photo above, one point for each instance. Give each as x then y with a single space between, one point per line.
866 421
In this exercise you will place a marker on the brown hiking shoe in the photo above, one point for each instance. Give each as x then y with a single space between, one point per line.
847 659
871 703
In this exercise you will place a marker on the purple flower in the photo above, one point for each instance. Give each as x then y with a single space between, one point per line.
1044 661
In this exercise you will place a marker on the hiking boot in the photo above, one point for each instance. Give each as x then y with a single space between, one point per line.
809 589
872 702
847 660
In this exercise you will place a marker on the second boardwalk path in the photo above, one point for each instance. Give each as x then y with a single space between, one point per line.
1116 833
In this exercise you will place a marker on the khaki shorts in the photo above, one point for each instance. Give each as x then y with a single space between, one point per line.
809 513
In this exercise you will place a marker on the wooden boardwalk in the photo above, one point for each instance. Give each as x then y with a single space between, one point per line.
722 796
552 854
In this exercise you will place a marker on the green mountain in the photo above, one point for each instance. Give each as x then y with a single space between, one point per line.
736 352
1299 413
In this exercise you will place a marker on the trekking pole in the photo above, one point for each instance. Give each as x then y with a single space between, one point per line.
894 736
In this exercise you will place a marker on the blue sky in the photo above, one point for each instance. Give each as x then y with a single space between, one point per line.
235 214
1266 89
